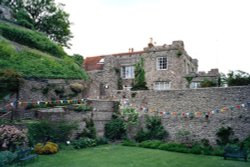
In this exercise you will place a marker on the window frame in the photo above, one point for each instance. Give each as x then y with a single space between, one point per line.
162 85
128 72
160 66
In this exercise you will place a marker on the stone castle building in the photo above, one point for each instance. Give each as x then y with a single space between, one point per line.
166 67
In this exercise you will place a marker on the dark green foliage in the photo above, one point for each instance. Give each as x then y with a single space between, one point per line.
43 15
129 143
119 83
23 19
178 53
174 147
139 81
133 95
119 80
7 158
89 131
78 59
225 135
115 129
237 78
59 91
154 144
45 90
10 80
141 136
82 108
246 143
195 148
154 130
208 83
84 143
101 141
31 39
32 63
44 131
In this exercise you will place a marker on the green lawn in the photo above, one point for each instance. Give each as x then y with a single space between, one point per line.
121 156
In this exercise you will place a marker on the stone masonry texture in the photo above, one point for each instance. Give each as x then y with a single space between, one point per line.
181 102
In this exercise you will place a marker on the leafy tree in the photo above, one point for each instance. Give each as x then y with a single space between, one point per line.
139 82
237 78
45 16
78 59
208 83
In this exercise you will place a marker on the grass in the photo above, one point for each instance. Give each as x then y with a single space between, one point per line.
30 38
33 63
122 156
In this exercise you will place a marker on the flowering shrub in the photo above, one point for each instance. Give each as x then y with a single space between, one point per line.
48 148
11 137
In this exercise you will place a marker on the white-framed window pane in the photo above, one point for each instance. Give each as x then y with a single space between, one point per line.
161 85
194 85
161 63
127 72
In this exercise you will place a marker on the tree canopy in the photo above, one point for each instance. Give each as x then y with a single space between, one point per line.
237 78
42 15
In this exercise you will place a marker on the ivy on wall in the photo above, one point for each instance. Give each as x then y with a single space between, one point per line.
139 81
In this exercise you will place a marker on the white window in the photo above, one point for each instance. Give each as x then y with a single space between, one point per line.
161 85
195 85
161 63
127 72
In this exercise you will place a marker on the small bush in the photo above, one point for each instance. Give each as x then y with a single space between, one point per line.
115 129
82 108
11 137
196 149
7 158
84 143
89 130
154 144
225 136
154 130
48 148
141 136
38 148
44 131
218 151
129 143
174 147
246 143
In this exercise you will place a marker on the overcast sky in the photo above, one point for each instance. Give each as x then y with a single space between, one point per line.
216 32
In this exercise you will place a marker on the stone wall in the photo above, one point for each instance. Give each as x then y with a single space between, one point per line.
49 89
33 91
211 108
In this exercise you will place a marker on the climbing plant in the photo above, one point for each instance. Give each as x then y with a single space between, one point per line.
139 81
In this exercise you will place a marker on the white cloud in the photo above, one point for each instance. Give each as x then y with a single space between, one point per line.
216 32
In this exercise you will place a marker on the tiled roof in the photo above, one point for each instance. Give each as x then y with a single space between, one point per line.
93 63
